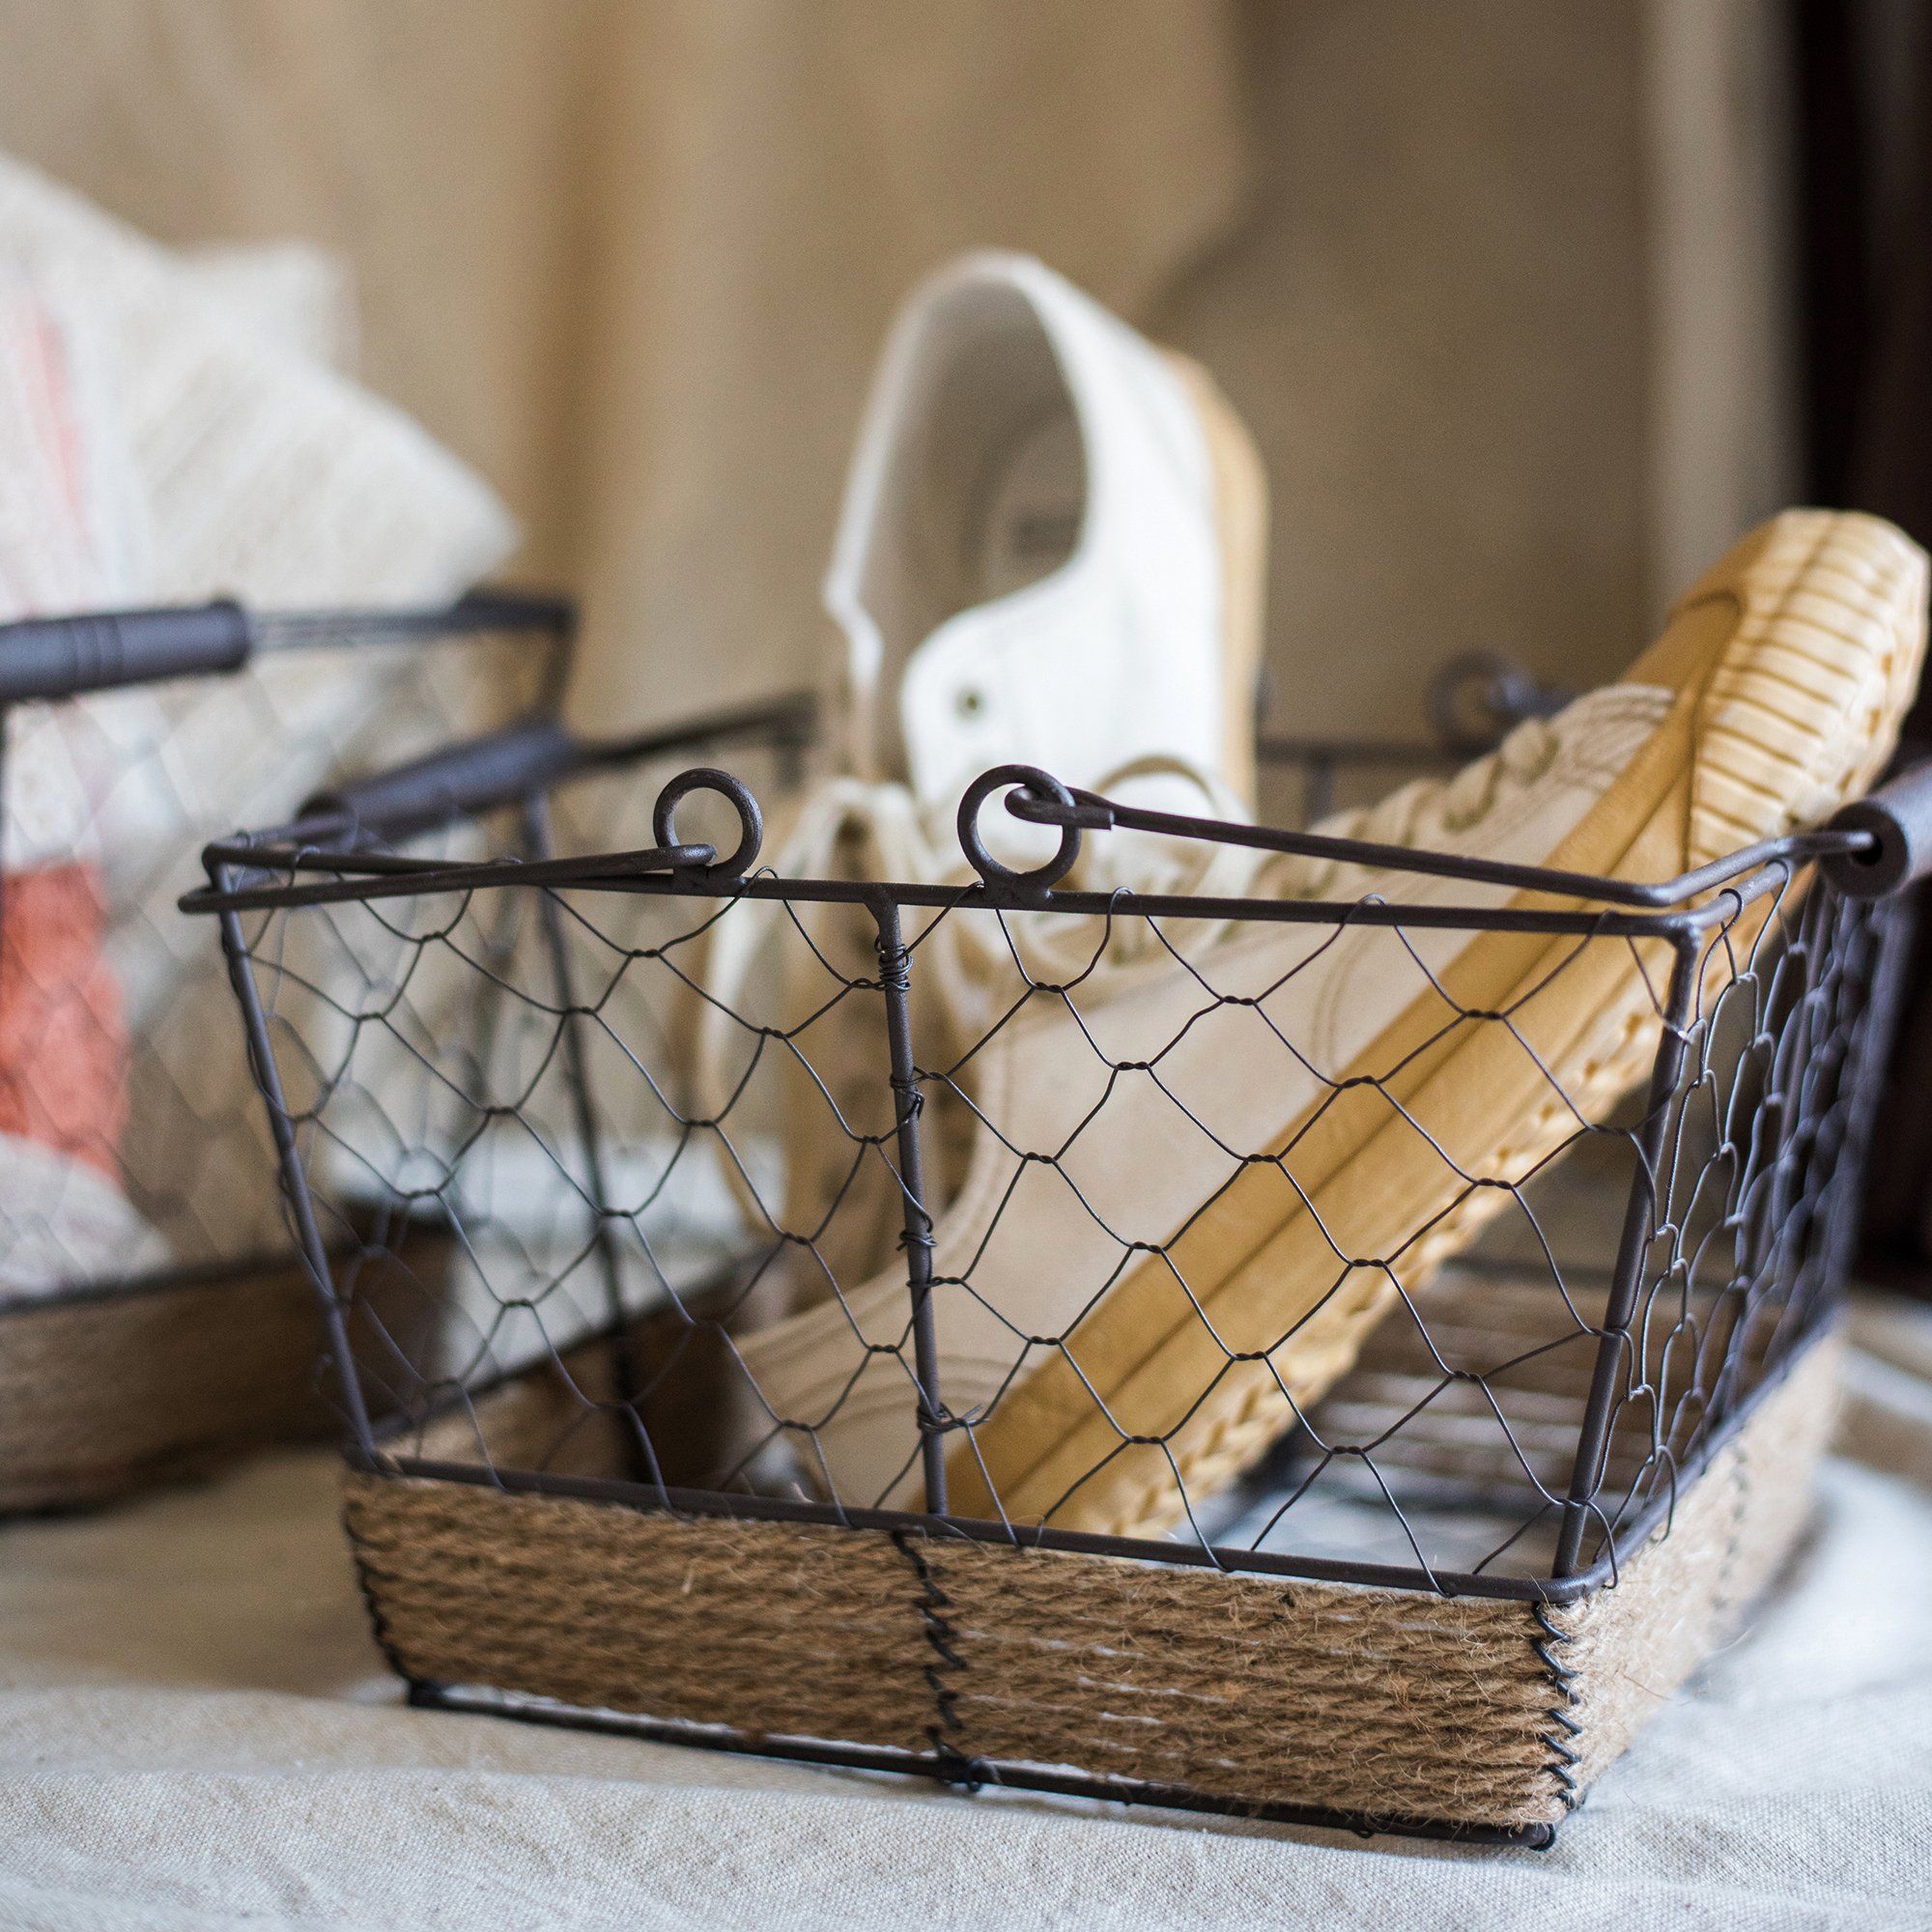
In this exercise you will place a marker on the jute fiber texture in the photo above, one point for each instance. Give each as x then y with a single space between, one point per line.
102 1394
1385 1703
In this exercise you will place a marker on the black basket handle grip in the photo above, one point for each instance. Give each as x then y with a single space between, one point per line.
472 774
513 764
60 657
1898 815
507 766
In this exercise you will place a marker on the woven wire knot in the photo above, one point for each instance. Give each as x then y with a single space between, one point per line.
894 967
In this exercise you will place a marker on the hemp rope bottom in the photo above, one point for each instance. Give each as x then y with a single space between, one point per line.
1376 1702
102 1394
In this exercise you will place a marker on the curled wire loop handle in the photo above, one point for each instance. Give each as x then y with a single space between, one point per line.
751 821
1044 789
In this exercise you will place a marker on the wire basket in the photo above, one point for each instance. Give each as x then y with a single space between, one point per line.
713 1189
152 1316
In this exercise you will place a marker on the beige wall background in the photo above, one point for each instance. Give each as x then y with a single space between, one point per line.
1499 283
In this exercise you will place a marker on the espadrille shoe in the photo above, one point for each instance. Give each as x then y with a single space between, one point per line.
1052 549
1104 1388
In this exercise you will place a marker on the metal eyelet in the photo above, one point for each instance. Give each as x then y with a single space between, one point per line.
1044 786
751 821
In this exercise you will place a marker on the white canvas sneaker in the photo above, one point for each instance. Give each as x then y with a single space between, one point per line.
1052 549
1190 1186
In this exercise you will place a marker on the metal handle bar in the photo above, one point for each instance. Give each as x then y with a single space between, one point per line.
1876 845
59 656
64 657
507 766
1897 820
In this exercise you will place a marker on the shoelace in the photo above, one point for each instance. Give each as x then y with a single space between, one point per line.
1422 814
970 966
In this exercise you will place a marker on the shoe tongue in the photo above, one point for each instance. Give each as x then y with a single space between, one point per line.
944 710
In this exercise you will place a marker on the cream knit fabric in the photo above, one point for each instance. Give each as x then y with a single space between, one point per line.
266 476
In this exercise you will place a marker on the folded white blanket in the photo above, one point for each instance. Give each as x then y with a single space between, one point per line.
64 1224
171 430
266 476
292 295
168 433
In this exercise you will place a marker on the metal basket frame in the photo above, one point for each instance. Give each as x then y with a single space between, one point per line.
1862 862
47 659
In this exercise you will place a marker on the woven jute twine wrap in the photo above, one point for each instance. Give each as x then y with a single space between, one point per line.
1381 1703
102 1394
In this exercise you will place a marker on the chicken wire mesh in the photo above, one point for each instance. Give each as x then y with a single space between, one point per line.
132 1147
1097 1218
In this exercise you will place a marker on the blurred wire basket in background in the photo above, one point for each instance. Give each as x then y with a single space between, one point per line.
751 1371
152 1315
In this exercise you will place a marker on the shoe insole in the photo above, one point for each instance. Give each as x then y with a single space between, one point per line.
1031 511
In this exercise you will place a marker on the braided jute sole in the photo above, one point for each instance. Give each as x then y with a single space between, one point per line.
1242 1691
1789 668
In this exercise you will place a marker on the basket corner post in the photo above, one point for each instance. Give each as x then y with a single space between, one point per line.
292 1173
916 1232
1676 1015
